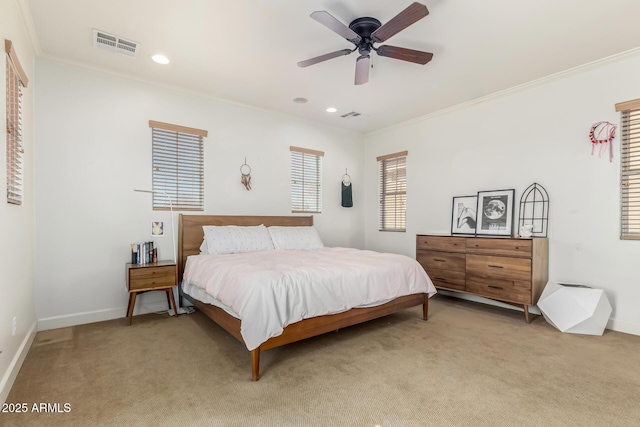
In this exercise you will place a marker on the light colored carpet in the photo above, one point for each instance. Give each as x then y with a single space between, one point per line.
469 365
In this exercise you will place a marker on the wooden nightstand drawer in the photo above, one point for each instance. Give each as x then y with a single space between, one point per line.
441 260
440 243
152 276
506 247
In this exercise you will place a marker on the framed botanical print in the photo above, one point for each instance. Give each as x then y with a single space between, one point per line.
495 213
463 215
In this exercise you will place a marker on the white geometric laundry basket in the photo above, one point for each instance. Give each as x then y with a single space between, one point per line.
576 309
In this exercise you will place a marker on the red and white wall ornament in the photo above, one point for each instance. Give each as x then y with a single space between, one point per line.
602 134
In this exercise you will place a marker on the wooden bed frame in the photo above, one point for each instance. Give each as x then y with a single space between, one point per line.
190 237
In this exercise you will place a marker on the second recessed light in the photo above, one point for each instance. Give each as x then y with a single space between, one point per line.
331 110
160 59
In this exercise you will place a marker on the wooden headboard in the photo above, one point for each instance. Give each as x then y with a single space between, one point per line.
190 233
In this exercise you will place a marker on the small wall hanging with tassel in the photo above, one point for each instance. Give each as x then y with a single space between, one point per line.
347 190
245 179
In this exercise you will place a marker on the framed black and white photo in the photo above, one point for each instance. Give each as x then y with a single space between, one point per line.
463 216
495 213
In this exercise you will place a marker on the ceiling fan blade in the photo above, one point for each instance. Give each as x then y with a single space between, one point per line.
363 64
326 19
324 57
410 55
410 15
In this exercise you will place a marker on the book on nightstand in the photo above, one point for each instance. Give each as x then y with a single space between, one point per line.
143 253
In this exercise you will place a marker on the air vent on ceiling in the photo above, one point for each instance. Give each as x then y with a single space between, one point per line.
113 43
350 115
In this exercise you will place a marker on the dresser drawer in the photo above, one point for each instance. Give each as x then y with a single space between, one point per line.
449 279
500 289
497 267
152 277
506 247
441 260
440 243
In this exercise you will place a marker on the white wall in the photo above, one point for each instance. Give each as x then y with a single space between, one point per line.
16 222
95 148
537 133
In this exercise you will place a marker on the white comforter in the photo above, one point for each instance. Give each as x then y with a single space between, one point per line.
272 289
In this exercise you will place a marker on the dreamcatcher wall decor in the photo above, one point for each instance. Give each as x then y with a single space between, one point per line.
602 134
245 179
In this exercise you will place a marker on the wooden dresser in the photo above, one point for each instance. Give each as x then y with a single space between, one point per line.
514 271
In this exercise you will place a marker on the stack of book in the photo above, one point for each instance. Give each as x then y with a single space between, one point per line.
143 253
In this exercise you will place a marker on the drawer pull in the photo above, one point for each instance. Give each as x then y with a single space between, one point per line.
495 266
517 247
496 287
439 260
441 279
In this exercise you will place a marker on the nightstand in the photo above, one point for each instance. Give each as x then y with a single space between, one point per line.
157 276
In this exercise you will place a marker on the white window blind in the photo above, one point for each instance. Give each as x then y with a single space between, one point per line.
178 166
16 80
306 180
393 191
630 169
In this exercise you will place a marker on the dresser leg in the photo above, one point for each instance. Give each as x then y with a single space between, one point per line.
526 313
425 307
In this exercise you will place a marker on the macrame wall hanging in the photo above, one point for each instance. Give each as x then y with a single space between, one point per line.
347 190
245 179
602 134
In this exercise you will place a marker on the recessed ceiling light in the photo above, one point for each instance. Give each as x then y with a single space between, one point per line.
300 100
160 59
331 110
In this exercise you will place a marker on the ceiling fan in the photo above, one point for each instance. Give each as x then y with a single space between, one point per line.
365 32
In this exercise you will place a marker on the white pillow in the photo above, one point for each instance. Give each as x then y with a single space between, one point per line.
295 238
234 239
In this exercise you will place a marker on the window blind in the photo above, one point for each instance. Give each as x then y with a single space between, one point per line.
306 180
630 169
178 166
393 191
16 79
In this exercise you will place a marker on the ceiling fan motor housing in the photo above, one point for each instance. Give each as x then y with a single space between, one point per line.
364 27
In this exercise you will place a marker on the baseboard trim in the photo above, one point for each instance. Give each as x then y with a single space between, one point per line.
16 363
613 324
99 315
623 326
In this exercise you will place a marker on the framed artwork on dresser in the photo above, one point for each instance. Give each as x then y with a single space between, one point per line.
463 215
495 213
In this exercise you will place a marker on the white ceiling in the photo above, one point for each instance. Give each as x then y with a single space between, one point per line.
246 51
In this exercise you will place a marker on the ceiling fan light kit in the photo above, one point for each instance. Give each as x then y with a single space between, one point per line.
365 32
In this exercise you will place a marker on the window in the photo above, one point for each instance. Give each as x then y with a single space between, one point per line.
306 180
630 169
178 167
16 80
393 191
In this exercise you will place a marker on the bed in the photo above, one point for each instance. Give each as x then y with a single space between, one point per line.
190 238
